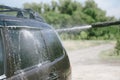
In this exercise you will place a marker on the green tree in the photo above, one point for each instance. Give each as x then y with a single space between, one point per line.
34 6
92 10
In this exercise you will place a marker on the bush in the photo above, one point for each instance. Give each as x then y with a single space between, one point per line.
117 47
83 35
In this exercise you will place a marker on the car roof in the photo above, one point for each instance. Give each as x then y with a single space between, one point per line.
33 20
14 21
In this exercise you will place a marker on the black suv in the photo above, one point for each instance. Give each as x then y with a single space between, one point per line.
30 49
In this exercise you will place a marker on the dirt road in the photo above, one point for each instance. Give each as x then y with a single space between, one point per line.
86 64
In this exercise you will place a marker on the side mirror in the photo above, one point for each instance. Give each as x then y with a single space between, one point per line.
3 77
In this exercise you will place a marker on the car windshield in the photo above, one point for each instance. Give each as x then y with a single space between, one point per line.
1 59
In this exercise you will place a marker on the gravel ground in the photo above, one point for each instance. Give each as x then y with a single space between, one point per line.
86 64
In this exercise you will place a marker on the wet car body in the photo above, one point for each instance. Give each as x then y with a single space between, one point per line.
31 50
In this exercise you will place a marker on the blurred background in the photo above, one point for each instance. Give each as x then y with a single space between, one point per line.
94 53
70 13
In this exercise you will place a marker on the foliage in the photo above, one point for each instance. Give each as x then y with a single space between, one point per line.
69 13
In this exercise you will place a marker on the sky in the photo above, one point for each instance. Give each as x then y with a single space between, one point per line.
112 7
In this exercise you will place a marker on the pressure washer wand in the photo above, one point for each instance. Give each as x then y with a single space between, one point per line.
94 25
105 24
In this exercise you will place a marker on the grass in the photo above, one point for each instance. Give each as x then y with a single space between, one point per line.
71 45
109 55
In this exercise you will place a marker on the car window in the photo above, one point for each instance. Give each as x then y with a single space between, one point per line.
28 48
32 48
1 58
54 46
